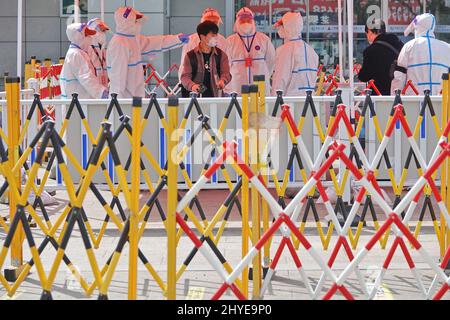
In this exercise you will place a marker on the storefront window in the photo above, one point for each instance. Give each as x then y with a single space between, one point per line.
68 8
322 30
363 10
441 10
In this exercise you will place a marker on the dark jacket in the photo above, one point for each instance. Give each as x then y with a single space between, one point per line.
378 60
186 77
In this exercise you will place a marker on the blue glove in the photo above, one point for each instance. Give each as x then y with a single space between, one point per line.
105 94
184 38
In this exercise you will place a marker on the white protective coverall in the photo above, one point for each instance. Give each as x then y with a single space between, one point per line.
423 59
97 50
296 62
128 50
194 39
250 53
78 72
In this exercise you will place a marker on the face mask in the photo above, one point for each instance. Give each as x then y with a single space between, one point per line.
246 29
282 33
99 38
86 43
369 39
140 23
213 42
138 27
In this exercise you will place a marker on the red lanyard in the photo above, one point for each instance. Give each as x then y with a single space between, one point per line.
99 58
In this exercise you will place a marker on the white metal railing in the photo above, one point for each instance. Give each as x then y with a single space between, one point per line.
154 135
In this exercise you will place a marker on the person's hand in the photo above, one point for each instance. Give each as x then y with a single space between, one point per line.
221 84
196 88
183 38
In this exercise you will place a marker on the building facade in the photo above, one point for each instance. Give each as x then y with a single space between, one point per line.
45 21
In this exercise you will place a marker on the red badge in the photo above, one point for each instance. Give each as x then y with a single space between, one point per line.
248 62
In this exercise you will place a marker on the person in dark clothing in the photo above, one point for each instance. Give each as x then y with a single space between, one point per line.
380 56
206 69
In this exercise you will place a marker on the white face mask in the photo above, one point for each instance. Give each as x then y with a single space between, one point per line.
140 23
246 29
282 33
99 38
213 42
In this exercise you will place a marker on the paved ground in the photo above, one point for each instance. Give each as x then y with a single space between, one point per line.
200 281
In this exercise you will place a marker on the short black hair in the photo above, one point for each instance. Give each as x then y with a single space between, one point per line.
206 27
378 27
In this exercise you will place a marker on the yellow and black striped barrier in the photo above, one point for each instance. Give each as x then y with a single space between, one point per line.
131 219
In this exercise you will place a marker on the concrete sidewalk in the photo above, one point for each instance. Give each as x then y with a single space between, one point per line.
200 281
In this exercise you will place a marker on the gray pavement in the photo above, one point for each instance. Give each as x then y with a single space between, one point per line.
200 281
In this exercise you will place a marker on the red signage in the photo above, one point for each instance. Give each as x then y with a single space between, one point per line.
278 6
403 12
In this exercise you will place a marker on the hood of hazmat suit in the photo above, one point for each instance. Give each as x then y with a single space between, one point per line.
97 51
128 52
78 74
296 62
102 28
422 60
250 53
209 14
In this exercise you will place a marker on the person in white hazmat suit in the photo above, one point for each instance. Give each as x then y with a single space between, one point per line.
78 73
250 53
296 62
128 50
97 51
423 59
209 14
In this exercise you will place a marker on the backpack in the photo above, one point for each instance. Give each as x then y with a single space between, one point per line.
194 65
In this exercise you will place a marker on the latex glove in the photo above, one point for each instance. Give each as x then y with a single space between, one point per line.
221 84
196 88
183 38
105 94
